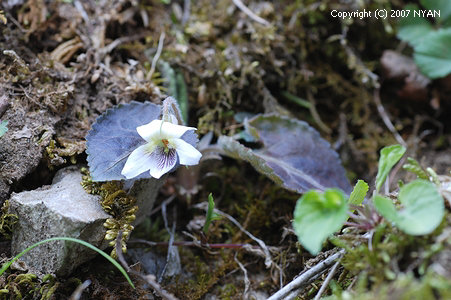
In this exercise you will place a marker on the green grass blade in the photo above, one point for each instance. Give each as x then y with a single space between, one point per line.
111 260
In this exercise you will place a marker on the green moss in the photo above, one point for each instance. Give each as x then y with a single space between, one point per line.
116 203
405 287
7 220
206 276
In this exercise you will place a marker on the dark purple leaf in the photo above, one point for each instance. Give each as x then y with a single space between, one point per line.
293 154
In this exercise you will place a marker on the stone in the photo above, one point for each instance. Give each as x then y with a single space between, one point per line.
145 192
63 209
154 263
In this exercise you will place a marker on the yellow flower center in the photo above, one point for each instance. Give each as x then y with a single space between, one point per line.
165 145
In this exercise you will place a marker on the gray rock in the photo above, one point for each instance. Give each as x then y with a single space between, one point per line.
145 191
63 209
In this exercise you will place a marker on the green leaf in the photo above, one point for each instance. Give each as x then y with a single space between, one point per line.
211 215
358 193
317 216
115 263
386 208
3 127
390 155
433 54
414 166
442 6
413 29
423 208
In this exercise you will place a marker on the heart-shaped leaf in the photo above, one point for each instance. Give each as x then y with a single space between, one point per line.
423 208
293 154
412 29
443 7
317 216
113 137
433 54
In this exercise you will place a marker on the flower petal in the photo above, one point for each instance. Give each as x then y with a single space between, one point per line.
162 162
169 130
150 130
188 155
157 129
139 161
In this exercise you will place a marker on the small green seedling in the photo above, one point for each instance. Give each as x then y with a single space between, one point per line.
211 215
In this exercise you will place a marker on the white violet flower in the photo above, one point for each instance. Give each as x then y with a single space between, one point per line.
159 155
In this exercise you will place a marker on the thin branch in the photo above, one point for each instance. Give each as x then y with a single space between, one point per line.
150 279
306 276
268 260
247 283
165 202
249 13
386 119
315 114
327 280
171 232
76 295
82 11
157 56
125 39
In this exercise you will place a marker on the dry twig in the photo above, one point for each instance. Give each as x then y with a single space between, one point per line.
326 281
247 282
150 279
249 13
264 248
386 119
315 114
157 56
76 295
305 277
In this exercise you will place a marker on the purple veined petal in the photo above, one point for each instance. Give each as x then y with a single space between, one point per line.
188 155
162 162
139 161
